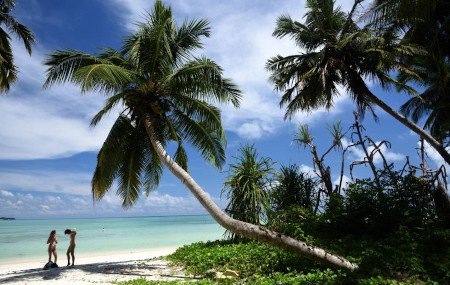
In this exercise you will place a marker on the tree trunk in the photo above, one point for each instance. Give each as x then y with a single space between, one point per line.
413 127
242 228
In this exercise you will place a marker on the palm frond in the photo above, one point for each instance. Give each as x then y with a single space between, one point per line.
133 164
103 77
150 47
111 102
199 111
210 142
110 157
181 157
202 79
62 65
153 170
22 32
187 38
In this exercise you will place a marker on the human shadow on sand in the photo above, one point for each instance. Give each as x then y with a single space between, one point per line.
139 268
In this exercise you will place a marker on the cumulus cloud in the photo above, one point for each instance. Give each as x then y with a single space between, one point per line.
46 181
68 205
358 153
46 123
308 170
433 155
345 181
6 194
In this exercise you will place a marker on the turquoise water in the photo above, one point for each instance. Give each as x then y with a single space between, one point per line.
26 239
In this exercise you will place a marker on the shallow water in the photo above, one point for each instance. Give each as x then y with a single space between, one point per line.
26 239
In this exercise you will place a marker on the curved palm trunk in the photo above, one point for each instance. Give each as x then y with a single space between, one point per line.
242 228
415 128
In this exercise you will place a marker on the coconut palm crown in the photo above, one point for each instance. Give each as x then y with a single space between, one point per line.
337 53
156 80
8 71
340 53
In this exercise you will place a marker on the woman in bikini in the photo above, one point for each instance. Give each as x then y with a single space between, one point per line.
51 241
71 249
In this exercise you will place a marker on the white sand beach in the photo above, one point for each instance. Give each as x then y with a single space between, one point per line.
102 269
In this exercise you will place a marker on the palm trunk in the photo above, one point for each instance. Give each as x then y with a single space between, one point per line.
242 228
415 128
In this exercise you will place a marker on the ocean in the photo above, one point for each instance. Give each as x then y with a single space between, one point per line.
22 240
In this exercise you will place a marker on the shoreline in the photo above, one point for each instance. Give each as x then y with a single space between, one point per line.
138 252
89 269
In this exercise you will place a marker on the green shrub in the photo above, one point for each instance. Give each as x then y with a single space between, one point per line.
247 258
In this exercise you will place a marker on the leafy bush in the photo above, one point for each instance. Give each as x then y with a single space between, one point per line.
294 189
402 201
393 234
247 258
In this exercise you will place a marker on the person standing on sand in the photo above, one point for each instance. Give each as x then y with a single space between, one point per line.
71 249
51 241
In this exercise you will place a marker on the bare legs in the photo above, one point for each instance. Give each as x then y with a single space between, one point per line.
71 251
50 252
55 255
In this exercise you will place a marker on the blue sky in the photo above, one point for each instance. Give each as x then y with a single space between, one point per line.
48 152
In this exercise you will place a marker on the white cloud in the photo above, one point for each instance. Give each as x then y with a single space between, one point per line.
5 193
358 153
78 206
308 170
435 157
50 123
46 181
45 208
345 180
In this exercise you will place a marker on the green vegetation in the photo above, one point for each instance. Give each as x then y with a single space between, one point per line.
401 250
9 25
246 186
392 227
388 224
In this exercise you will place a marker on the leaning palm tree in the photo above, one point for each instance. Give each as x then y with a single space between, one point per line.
8 71
339 53
247 186
166 96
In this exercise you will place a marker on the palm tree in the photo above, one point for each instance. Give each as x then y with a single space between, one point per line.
167 96
338 52
424 22
247 186
8 71
434 102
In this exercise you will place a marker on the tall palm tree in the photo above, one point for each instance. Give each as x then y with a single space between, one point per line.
8 71
338 52
247 186
166 95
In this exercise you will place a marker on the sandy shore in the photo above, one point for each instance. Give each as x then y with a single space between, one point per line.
102 269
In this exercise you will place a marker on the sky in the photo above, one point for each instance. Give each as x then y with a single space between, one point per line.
48 151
